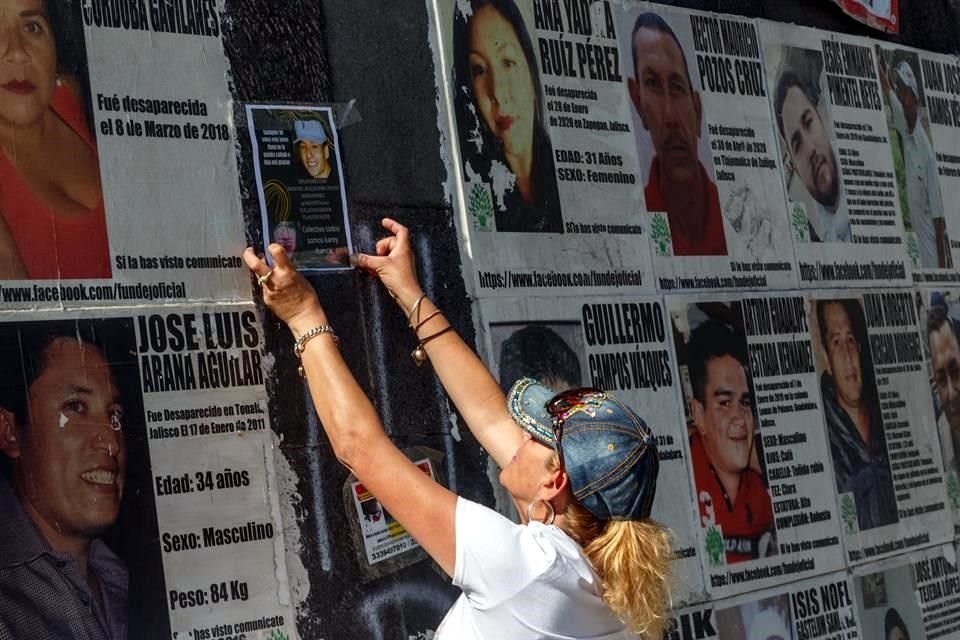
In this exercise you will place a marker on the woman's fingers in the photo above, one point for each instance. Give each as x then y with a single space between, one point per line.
401 232
369 263
280 258
255 264
384 245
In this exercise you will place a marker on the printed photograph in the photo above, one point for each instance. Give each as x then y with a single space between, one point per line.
888 607
914 159
942 319
303 204
52 221
725 444
498 99
550 352
76 495
765 619
811 167
851 410
676 161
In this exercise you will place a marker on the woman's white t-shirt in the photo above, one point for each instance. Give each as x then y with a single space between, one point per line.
523 583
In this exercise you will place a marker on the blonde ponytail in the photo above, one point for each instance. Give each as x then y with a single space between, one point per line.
632 558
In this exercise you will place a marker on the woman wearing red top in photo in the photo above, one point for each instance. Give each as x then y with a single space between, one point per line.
51 203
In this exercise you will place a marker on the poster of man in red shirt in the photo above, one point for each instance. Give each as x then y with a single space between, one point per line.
729 478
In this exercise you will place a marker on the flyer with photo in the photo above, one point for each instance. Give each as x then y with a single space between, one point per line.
875 396
766 505
708 158
838 170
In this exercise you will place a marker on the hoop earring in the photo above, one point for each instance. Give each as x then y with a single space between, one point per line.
551 514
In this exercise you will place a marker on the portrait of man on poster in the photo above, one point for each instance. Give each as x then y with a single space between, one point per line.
731 491
851 408
808 150
945 362
313 148
63 467
918 162
670 110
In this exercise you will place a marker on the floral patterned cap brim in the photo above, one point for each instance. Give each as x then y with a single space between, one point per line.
527 403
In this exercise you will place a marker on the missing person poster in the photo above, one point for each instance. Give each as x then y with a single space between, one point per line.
913 597
838 170
621 345
939 324
544 172
929 226
213 476
383 537
875 396
139 203
303 203
708 158
143 441
820 608
765 498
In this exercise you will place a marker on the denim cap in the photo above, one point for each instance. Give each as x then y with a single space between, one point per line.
310 130
609 453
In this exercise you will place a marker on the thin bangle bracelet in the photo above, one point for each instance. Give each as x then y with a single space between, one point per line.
415 308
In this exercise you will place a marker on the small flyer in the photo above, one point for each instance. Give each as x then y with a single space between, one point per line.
303 203
383 537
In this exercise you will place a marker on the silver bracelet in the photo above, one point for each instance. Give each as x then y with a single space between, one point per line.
301 343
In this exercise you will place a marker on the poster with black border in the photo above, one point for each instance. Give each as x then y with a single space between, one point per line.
139 203
618 344
543 171
875 397
914 596
708 158
838 171
765 498
303 202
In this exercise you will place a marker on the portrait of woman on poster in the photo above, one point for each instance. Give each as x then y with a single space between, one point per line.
499 106
51 203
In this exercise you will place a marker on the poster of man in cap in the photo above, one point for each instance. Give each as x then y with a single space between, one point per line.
303 204
914 159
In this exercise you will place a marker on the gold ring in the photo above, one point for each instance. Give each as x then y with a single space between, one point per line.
264 277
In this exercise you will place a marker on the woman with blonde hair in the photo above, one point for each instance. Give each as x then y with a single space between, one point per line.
581 467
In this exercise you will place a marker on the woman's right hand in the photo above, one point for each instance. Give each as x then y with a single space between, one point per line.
394 264
286 293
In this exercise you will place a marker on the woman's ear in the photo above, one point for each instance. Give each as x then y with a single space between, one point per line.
555 484
9 442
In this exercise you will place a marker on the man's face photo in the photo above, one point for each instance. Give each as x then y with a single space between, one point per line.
315 158
945 358
810 148
72 459
843 354
667 104
725 417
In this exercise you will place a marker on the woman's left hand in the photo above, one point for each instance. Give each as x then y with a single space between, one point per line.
287 293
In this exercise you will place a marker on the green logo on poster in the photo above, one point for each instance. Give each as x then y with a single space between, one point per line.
953 490
848 512
276 634
480 207
660 231
716 553
913 250
799 220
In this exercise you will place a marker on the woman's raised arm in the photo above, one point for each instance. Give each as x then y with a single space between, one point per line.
465 378
425 508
